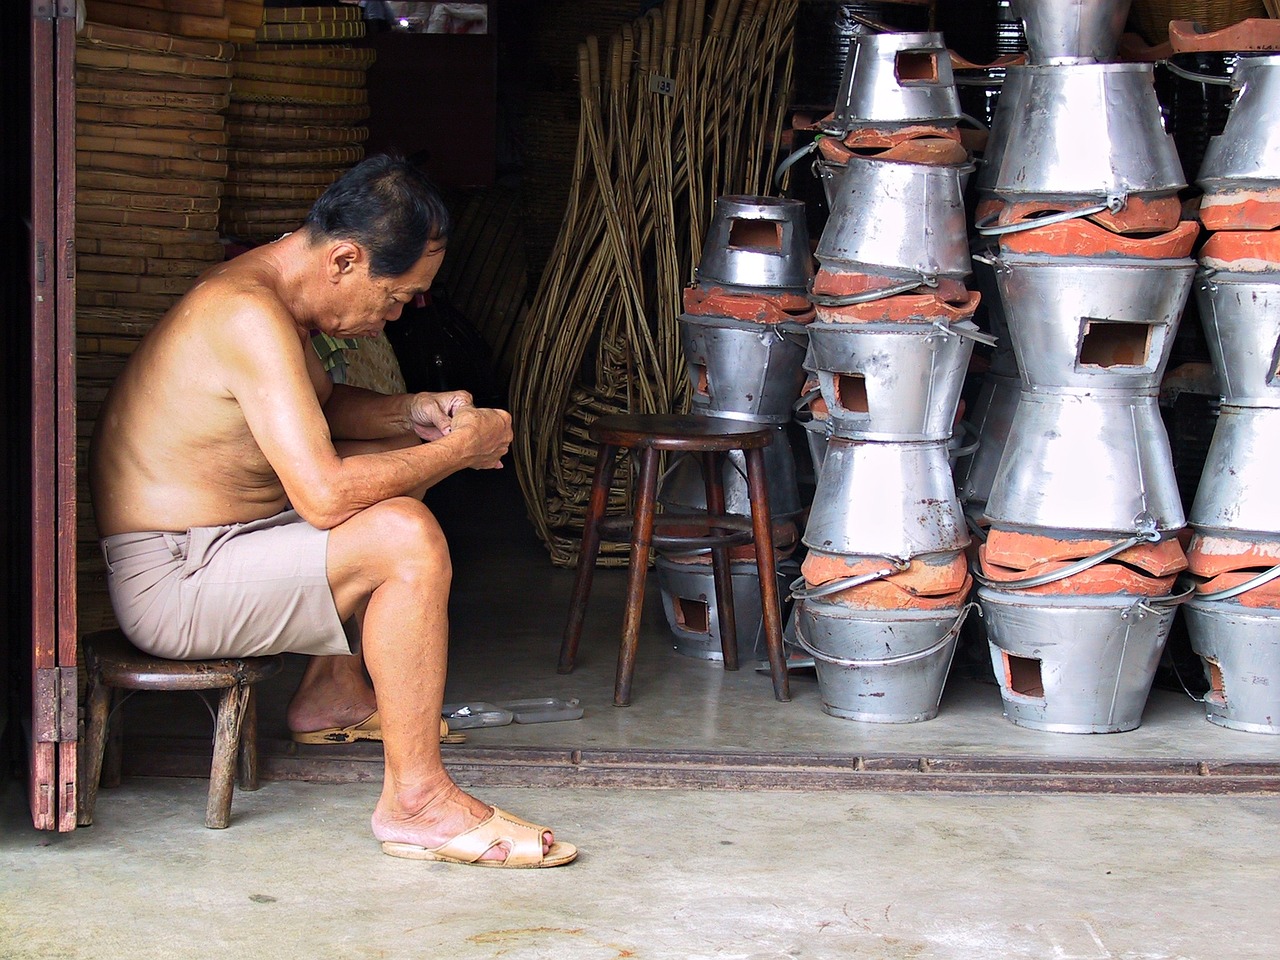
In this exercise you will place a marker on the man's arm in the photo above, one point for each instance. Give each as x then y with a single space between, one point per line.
267 374
354 413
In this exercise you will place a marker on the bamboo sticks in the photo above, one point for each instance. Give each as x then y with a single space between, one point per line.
685 104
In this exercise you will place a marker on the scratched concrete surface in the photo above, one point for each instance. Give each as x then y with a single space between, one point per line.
663 874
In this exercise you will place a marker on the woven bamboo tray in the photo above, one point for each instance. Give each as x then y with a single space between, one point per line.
1152 17
103 35
149 116
249 212
265 91
98 180
91 213
321 176
161 202
127 301
105 320
101 58
157 20
314 13
309 32
138 250
318 157
125 283
203 138
141 266
148 166
352 113
275 192
259 229
110 233
153 98
151 148
305 54
270 134
245 12
285 73
150 82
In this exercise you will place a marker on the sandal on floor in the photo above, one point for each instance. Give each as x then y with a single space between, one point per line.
523 841
370 728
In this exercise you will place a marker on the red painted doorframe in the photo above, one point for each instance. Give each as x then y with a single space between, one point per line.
53 434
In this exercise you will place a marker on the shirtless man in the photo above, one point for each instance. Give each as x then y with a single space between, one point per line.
249 506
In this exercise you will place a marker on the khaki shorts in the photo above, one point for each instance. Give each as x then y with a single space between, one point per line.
243 590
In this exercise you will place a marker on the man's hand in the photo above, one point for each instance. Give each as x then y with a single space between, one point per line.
482 435
431 414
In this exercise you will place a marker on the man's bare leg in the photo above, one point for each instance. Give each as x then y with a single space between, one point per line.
334 691
393 560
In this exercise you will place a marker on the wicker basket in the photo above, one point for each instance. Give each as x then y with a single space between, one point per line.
1151 17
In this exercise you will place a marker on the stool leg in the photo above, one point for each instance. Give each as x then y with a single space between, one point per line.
606 463
113 755
97 709
641 544
248 772
762 526
713 479
222 772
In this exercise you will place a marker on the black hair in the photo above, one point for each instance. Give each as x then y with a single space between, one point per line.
389 207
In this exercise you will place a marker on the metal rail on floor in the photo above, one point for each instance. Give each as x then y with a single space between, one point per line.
479 767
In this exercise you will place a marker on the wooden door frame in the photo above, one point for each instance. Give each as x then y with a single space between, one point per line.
54 718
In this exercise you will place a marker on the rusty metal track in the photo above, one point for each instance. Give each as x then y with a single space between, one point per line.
481 767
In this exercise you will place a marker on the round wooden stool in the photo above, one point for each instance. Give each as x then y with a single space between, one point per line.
113 663
712 438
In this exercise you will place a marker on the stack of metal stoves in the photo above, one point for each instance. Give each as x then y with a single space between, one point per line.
742 331
1234 618
1079 199
885 581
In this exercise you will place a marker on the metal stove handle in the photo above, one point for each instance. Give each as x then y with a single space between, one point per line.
984 227
888 661
1250 584
1068 571
798 591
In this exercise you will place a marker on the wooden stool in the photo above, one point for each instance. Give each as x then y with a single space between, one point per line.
712 438
114 664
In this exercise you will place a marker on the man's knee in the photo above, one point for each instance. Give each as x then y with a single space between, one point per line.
407 536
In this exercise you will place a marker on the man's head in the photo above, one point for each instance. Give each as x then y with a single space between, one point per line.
387 206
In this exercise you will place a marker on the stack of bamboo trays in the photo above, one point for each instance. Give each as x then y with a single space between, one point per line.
206 19
246 17
150 167
297 102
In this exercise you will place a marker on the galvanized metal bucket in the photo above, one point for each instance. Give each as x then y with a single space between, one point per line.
1082 131
990 419
881 666
744 368
1247 152
896 219
1075 664
1240 647
757 242
895 78
892 381
682 487
1058 30
1237 491
1103 324
1005 123
1241 317
1086 463
885 499
689 602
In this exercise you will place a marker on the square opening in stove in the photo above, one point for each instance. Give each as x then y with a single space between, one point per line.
1022 674
1106 343
755 235
693 615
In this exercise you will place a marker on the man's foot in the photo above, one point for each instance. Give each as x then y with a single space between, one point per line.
458 828
332 694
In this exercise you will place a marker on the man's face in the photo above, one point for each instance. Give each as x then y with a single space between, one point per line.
373 302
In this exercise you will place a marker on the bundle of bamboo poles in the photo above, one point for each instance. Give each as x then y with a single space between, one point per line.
687 105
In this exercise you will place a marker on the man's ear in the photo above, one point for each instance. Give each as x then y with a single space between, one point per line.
341 258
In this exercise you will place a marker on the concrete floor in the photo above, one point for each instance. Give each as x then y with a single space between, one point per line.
664 873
